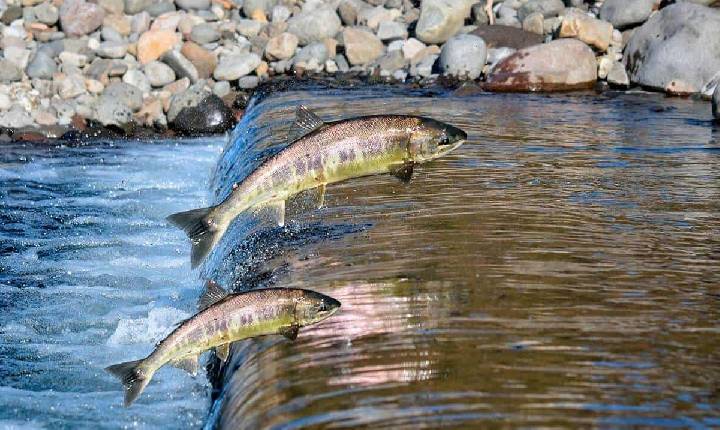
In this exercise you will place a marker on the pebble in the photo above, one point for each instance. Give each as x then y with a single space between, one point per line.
182 67
204 33
71 86
193 4
154 43
78 17
392 30
159 74
137 79
202 60
42 66
112 49
232 67
46 13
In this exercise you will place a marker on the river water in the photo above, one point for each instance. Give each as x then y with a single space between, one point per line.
559 269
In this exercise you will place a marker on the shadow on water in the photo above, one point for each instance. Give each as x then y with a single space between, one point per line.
559 269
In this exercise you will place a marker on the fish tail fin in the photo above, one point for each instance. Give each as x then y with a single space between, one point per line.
203 233
133 377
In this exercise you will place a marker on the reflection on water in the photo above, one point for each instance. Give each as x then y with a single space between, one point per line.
561 268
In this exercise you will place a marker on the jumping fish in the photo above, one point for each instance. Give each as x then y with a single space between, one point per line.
223 319
322 153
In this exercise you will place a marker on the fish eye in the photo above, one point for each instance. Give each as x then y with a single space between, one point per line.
322 307
444 140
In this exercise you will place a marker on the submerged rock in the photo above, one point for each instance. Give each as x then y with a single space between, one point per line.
560 65
209 115
676 49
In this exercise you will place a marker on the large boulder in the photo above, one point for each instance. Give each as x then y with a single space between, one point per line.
463 56
441 19
624 13
561 65
679 47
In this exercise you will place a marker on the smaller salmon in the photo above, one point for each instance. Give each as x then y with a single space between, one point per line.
225 318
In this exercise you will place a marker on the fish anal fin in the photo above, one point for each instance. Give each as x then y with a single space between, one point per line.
222 351
305 122
212 294
189 363
290 332
403 171
275 210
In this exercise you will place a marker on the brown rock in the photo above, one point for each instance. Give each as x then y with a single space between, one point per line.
281 47
203 60
590 30
560 65
496 36
120 23
361 47
154 43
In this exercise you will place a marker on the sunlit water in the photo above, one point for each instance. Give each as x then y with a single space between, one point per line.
559 269
91 275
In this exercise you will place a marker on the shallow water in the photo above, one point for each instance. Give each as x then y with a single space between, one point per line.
561 268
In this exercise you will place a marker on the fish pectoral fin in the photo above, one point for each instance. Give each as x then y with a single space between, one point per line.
403 171
222 351
189 363
290 332
277 212
212 294
305 122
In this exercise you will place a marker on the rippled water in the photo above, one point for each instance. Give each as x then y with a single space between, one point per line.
561 268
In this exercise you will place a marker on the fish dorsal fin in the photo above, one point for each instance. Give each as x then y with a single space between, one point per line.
305 122
189 363
213 293
222 351
290 332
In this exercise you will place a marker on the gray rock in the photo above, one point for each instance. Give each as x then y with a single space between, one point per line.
126 94
46 13
193 4
16 117
617 76
441 19
18 56
392 30
157 9
249 28
182 67
716 104
624 13
315 25
5 102
10 14
342 63
78 17
249 6
479 13
137 79
548 8
109 110
71 86
136 6
42 66
221 89
678 47
188 98
204 33
9 72
280 13
496 55
112 49
317 51
232 67
392 61
248 82
463 56
109 34
140 23
159 74
52 49
424 67
350 10
534 23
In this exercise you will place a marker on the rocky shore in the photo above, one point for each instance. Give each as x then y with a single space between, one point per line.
188 66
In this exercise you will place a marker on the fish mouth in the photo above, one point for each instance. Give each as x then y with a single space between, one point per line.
455 137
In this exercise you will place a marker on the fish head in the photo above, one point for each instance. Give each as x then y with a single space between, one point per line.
433 139
314 307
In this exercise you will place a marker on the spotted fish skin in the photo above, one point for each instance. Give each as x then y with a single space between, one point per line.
326 154
231 318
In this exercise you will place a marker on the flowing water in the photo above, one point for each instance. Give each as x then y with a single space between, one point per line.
559 269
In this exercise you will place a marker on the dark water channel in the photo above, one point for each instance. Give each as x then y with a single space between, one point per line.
562 268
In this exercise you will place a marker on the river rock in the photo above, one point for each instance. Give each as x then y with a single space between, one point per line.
315 51
112 49
120 23
463 56
46 13
78 17
71 85
534 23
126 94
349 10
314 26
161 8
109 110
154 43
678 47
193 4
159 74
496 36
188 98
590 30
716 104
249 27
201 59
281 47
374 16
204 33
441 19
392 30
209 116
563 64
136 6
16 117
251 6
9 72
280 13
361 46
137 79
548 8
42 66
624 13
183 67
617 76
232 67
